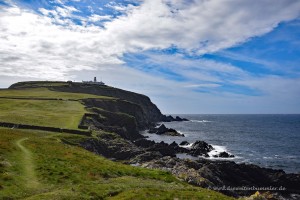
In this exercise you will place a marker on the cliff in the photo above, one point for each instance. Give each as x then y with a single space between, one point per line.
137 105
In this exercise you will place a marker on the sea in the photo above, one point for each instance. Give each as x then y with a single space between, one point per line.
271 141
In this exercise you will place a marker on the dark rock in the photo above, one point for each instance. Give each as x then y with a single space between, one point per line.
200 148
206 155
165 118
206 173
169 118
117 148
184 143
172 132
152 130
224 155
231 174
177 148
144 143
174 144
180 119
164 149
163 130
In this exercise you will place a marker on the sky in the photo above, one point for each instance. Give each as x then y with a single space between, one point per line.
188 56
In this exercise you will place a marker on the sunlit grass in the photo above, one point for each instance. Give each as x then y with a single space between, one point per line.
60 114
70 172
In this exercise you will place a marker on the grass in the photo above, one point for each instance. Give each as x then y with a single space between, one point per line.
70 172
45 93
60 114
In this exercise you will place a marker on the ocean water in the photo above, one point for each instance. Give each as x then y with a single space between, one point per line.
265 140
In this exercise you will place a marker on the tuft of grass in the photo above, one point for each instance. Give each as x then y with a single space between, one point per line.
70 172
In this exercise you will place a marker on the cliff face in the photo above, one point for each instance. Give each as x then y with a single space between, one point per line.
137 105
121 106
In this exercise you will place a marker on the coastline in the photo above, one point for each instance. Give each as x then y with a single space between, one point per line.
116 121
266 140
211 168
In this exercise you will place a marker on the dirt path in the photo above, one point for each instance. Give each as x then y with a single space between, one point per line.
28 165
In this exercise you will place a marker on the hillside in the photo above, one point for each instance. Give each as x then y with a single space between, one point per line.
150 112
40 164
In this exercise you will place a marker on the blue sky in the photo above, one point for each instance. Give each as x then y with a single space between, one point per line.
188 56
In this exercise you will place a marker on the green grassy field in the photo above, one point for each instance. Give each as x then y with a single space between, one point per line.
37 165
45 93
60 114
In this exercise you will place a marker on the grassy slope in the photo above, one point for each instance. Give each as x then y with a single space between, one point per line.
61 114
45 93
69 172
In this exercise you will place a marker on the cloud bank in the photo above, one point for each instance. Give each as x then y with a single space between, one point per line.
59 42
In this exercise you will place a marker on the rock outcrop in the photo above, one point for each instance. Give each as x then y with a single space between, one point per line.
184 143
228 177
163 130
200 148
224 154
169 118
112 146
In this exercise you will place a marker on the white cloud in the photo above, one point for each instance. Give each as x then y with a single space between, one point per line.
204 26
66 11
96 18
119 7
59 1
51 46
46 50
199 25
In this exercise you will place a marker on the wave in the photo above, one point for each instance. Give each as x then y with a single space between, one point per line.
217 149
201 121
187 146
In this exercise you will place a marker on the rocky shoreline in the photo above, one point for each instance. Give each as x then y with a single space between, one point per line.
223 176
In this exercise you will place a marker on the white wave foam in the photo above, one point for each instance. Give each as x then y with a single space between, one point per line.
201 121
217 149
267 157
187 146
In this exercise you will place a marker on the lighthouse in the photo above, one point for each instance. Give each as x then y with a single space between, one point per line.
95 82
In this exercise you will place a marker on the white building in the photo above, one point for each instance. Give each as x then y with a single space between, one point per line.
95 82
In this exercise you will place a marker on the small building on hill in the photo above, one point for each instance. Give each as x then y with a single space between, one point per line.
95 82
